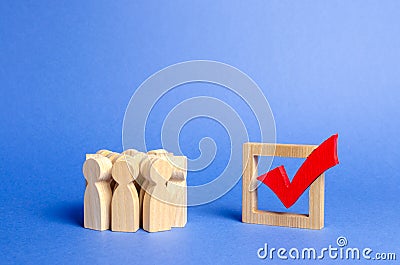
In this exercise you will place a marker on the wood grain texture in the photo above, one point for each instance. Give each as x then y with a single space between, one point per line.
98 194
250 213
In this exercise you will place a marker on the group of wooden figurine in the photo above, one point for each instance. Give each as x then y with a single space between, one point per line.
134 189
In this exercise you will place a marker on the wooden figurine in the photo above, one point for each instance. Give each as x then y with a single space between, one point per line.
125 202
138 157
92 156
156 211
113 156
140 180
176 186
98 194
131 152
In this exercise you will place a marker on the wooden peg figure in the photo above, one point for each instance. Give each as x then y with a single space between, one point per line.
159 152
140 180
113 156
98 194
138 156
91 156
156 211
130 152
176 186
125 202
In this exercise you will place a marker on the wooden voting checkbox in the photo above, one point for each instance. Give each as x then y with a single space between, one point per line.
250 212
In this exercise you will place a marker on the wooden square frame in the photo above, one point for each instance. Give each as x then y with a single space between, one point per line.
250 212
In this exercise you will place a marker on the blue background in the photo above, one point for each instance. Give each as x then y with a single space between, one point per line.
69 68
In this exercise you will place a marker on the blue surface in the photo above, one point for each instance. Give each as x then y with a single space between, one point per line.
68 69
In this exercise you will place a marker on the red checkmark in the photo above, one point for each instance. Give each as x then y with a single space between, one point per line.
320 160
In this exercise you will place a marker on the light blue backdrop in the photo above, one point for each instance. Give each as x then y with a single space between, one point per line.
68 69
